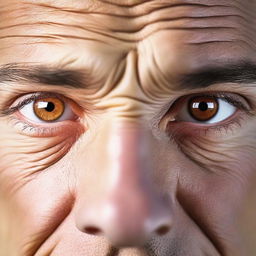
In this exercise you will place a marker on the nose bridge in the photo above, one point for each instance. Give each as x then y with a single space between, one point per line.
130 154
125 205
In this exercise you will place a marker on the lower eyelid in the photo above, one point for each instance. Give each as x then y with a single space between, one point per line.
64 128
181 129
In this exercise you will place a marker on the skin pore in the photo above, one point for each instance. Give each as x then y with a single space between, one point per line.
125 170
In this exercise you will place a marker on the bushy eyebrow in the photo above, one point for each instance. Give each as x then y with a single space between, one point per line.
42 75
239 73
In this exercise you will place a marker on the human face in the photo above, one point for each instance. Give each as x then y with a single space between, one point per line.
127 128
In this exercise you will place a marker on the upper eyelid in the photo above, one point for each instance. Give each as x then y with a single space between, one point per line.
30 99
235 99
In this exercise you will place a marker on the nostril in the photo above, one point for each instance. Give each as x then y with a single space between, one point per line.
92 230
163 230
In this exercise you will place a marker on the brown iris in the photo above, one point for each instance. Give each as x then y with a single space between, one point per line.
203 108
49 109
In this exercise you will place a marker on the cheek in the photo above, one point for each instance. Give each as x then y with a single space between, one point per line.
20 164
246 220
214 192
22 157
34 188
36 208
232 155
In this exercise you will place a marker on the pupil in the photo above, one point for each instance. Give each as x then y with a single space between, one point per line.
50 107
203 106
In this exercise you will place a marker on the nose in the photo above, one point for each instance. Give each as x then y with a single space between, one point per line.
120 199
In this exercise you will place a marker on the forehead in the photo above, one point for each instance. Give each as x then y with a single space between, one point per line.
182 34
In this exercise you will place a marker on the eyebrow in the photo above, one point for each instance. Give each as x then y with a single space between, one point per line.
239 73
43 75
242 72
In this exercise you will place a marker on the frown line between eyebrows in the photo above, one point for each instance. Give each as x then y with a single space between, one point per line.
239 73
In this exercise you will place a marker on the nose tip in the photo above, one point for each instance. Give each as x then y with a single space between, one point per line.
129 237
127 223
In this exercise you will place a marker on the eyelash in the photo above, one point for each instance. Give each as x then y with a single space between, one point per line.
39 131
33 97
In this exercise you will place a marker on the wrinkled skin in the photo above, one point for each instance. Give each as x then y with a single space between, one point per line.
121 181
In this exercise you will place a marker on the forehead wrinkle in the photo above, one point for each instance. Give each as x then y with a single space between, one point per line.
195 21
165 18
189 17
129 8
139 9
79 7
162 11
48 20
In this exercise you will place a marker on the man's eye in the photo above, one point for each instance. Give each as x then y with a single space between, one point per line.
46 110
46 114
49 109
206 110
